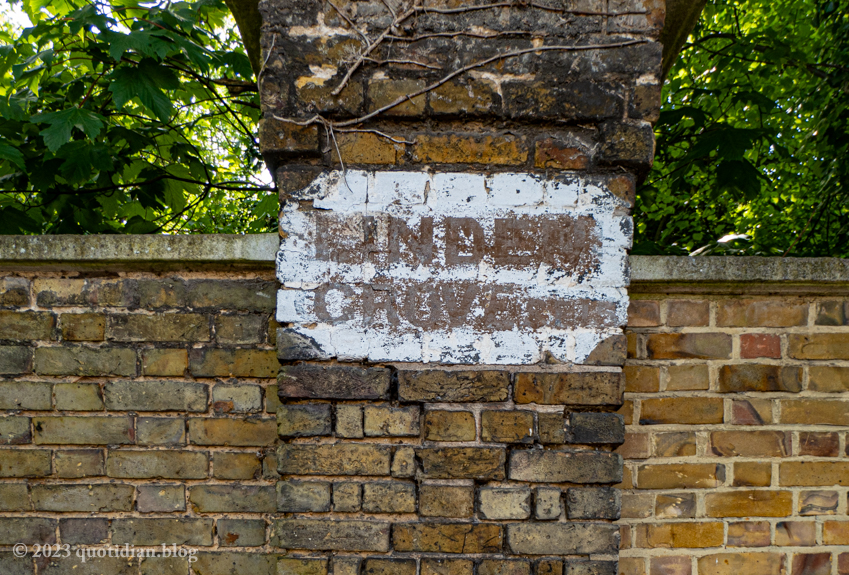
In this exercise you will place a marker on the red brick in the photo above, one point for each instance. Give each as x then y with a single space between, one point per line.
751 411
819 444
811 564
670 566
754 345
636 446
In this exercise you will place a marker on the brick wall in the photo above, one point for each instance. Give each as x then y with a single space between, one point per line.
137 408
736 415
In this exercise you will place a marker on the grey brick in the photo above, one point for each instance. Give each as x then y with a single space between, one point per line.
300 496
87 498
593 503
155 396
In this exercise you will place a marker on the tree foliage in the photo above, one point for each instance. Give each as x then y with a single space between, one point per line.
753 136
129 118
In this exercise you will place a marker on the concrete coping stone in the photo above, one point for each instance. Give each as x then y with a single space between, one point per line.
260 250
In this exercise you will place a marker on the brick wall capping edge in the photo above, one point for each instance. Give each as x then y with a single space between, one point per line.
117 252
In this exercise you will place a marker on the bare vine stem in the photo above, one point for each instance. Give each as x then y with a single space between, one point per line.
418 8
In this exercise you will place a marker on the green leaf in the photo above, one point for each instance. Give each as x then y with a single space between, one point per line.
12 154
145 82
62 124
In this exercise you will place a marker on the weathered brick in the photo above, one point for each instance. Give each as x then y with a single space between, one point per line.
687 377
629 145
810 473
753 345
683 534
15 359
504 503
442 425
643 313
815 412
748 534
641 378
349 421
161 293
818 346
612 350
404 462
89 498
504 567
751 411
82 430
687 313
347 497
14 291
818 502
78 397
28 530
253 431
219 362
83 326
595 428
26 325
437 500
374 566
363 148
14 430
77 463
831 313
811 564
574 388
155 396
447 537
64 292
34 395
680 475
761 313
332 382
16 462
552 427
637 505
593 503
93 566
335 459
562 538
551 153
481 463
331 535
161 431
752 474
235 465
389 497
232 563
565 466
187 327
233 498
453 386
749 503
149 531
301 496
157 464
241 532
507 426
164 362
159 498
447 567
238 295
495 149
750 443
236 398
299 566
688 346
547 503
79 360
674 444
675 505
736 563
590 568
87 531
383 92
292 346
754 377
163 565
14 497
826 378
385 421
819 444
670 565
240 329
681 410
467 96
307 420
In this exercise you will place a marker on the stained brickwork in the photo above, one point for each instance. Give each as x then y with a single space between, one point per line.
736 417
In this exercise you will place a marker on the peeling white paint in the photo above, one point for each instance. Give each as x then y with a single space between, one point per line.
363 278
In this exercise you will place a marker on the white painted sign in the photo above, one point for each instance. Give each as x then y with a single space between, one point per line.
455 268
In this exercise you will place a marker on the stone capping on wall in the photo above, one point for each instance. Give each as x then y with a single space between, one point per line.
261 249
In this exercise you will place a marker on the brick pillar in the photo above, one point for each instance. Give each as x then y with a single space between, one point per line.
453 291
